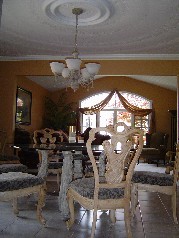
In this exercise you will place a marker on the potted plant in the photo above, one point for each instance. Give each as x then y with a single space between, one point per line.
60 114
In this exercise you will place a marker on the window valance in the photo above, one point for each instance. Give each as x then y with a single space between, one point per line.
128 106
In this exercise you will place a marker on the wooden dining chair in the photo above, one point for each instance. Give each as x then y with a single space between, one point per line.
157 182
108 191
49 137
17 184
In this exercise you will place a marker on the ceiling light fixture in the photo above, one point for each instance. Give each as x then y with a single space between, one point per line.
72 72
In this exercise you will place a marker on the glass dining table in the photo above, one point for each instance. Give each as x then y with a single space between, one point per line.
74 154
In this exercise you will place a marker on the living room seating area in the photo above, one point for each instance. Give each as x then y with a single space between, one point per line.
155 148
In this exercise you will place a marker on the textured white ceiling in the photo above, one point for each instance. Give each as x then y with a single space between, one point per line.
49 82
117 29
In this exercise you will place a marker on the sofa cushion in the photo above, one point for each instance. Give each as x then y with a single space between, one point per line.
157 139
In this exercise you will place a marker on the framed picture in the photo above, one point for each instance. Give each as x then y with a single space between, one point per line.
23 106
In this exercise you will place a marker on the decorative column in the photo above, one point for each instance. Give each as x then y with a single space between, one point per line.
78 168
66 178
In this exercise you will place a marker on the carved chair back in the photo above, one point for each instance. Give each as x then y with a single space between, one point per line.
49 136
117 150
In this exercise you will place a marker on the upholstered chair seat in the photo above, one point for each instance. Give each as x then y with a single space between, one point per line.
11 163
5 168
106 189
153 178
17 184
157 182
16 180
85 187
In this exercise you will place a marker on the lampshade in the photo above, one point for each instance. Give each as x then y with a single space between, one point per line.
93 68
85 74
73 64
57 67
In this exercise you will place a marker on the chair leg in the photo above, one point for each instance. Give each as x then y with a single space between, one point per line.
58 180
112 216
174 207
134 198
94 223
127 218
41 203
70 222
15 207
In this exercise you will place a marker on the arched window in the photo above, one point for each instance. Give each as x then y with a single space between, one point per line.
114 111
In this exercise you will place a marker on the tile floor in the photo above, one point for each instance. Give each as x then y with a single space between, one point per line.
153 219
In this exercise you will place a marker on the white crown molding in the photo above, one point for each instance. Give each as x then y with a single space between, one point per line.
98 57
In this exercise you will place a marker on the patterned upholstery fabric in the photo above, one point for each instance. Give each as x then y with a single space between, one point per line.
14 180
85 187
55 165
152 178
5 168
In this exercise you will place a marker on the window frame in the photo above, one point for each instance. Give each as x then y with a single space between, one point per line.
115 113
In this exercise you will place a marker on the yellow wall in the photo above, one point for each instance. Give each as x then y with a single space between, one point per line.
163 99
13 73
38 95
8 88
108 67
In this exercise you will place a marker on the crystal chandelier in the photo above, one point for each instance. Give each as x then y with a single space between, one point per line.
72 73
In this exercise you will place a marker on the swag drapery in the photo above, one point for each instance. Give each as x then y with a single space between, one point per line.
128 106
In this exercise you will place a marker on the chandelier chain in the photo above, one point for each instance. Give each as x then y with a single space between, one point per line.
76 35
